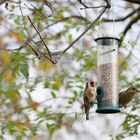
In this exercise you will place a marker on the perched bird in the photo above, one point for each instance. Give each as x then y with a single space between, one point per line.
126 96
89 97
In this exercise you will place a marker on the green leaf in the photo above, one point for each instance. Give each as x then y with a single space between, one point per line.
70 37
40 121
125 124
68 21
53 94
18 137
122 77
70 102
132 43
75 93
55 87
137 79
46 84
24 69
51 128
36 19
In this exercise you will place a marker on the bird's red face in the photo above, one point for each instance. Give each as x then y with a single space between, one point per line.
92 83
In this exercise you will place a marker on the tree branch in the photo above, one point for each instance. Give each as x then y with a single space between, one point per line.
94 7
3 1
82 34
22 16
123 18
80 1
40 37
128 27
35 52
46 2
63 51
45 56
87 7
133 1
108 2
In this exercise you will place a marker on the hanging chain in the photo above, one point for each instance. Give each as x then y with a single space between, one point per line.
113 28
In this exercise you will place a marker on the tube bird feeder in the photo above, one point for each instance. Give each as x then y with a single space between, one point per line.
107 75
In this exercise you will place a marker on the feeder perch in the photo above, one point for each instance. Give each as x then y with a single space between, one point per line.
107 69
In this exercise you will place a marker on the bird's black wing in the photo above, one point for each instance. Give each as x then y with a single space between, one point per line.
86 100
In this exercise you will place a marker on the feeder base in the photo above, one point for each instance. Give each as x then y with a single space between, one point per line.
108 109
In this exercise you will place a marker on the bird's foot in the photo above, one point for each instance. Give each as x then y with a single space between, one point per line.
93 102
123 106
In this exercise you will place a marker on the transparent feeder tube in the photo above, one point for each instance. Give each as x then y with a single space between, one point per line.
107 69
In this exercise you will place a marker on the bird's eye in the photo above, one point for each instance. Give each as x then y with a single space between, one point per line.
134 88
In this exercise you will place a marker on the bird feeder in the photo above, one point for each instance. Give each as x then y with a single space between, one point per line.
107 69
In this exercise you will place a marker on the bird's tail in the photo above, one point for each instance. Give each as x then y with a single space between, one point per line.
87 115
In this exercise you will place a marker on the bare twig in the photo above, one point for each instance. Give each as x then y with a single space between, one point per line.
80 1
35 52
124 18
93 7
44 55
137 38
108 2
3 1
23 19
40 37
48 4
128 27
89 7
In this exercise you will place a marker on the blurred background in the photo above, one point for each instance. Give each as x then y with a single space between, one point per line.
42 98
